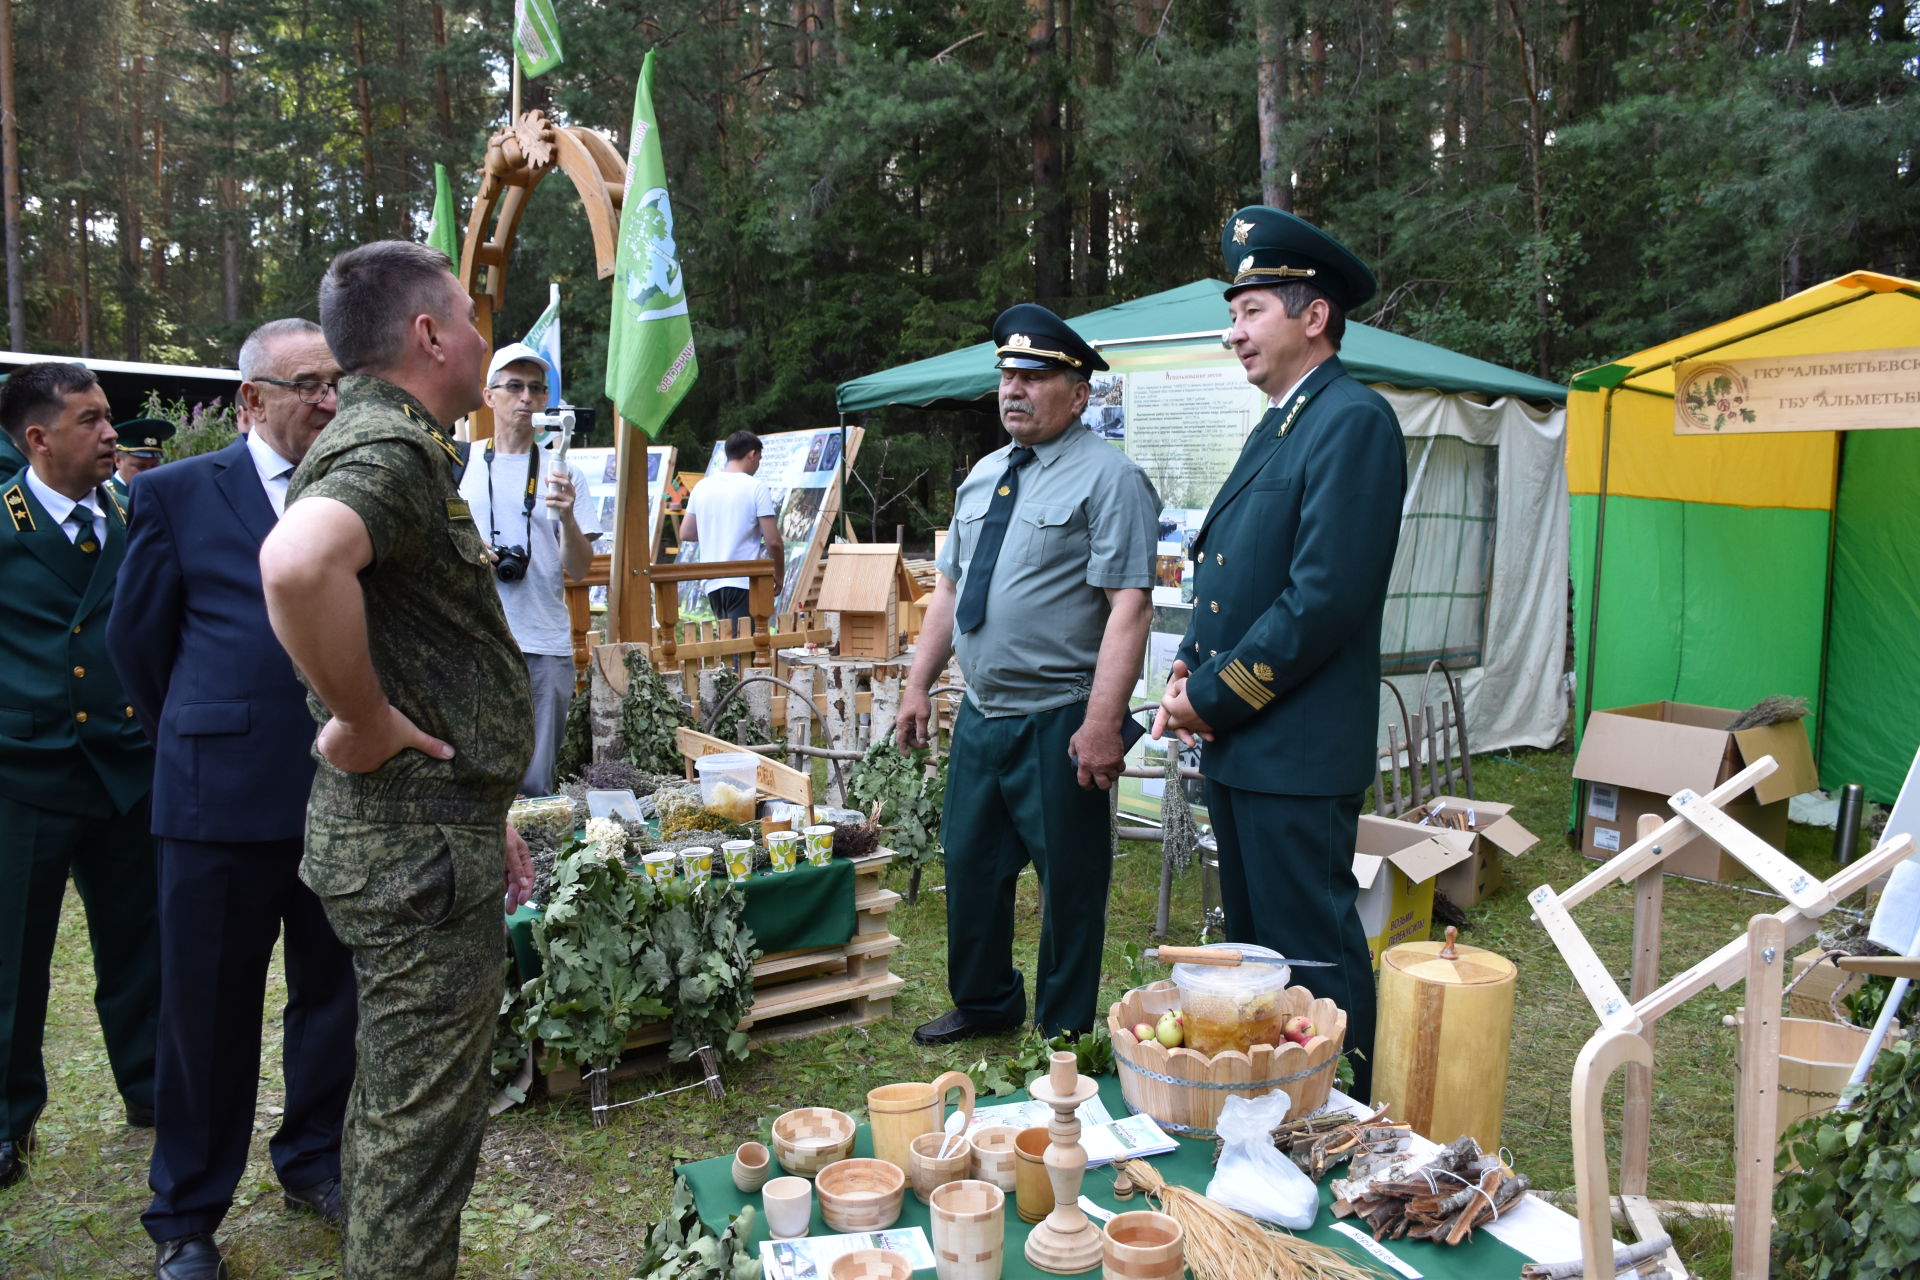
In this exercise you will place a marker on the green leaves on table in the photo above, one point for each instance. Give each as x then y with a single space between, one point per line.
680 1247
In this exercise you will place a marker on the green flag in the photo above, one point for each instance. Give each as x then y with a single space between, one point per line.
444 234
536 37
650 360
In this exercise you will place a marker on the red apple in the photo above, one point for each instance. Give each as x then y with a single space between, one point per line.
1143 1031
1297 1029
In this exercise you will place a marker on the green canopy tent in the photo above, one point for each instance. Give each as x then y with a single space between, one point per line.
1480 580
965 379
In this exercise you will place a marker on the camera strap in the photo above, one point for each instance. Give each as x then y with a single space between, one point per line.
526 501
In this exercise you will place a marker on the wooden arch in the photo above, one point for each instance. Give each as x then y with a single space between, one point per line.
518 157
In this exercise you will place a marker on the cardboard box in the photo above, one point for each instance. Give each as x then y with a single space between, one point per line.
1634 758
1396 864
1496 837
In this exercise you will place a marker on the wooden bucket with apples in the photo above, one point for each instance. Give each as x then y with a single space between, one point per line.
1183 1089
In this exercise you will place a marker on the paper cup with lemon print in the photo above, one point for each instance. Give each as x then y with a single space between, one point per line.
738 856
819 844
696 863
783 847
659 866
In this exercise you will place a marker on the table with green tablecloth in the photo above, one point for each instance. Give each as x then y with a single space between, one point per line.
1482 1258
797 910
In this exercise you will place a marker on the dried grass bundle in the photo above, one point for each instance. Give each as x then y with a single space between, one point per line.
1225 1244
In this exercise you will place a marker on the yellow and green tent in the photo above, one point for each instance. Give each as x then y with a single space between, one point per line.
1719 569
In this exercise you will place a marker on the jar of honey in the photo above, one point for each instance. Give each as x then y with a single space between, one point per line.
1233 1007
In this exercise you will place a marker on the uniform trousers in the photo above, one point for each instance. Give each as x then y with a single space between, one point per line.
1013 798
419 906
551 681
111 862
221 908
1286 882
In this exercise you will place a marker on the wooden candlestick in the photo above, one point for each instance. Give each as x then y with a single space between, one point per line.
1065 1242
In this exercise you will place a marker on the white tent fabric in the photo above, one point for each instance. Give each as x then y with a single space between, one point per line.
1517 695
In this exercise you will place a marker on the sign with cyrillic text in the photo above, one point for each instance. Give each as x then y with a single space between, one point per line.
1829 391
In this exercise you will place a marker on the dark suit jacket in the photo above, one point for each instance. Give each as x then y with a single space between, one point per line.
68 737
202 667
1290 582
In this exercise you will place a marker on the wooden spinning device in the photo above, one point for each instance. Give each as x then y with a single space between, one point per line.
1627 1022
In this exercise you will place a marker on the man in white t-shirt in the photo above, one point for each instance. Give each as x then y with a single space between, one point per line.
538 527
730 513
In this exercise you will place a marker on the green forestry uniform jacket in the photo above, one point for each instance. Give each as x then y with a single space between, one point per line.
408 858
75 770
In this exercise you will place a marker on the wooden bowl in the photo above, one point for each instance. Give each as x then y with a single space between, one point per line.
808 1140
872 1264
860 1195
1185 1090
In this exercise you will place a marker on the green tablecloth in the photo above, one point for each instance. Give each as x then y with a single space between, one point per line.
1483 1258
793 910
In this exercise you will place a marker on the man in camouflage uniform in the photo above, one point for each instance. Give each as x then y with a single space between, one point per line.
381 589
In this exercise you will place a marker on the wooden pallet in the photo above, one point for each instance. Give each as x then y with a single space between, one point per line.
796 993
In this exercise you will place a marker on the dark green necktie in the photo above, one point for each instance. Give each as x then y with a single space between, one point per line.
993 530
81 521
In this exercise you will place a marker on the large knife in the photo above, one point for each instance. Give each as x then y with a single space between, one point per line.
1227 959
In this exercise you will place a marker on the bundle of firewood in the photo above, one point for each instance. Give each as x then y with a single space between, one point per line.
1317 1143
1441 1198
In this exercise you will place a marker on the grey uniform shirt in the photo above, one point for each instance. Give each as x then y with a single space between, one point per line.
1085 521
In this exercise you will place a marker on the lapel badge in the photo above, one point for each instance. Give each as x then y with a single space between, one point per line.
1240 229
1291 415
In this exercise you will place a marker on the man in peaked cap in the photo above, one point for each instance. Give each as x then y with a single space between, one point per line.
1044 594
139 449
1279 672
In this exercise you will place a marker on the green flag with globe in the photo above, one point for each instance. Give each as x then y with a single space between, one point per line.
650 360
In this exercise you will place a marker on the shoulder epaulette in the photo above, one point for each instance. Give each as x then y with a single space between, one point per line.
440 439
17 508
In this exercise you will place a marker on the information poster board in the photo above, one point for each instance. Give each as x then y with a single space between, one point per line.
1182 410
602 469
802 468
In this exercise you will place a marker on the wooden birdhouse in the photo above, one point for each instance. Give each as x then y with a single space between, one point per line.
868 585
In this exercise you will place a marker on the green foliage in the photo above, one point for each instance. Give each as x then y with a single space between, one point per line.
736 722
1863 1003
619 951
679 1246
1853 1209
649 715
199 428
1034 1056
909 790
576 742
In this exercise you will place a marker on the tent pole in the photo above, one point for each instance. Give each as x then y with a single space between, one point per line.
1826 616
1585 709
846 516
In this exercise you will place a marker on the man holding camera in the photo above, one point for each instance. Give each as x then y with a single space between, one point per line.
535 525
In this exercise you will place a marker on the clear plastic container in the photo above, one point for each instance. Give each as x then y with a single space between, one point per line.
1232 1007
727 785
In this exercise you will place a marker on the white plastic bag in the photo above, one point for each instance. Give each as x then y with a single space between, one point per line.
1252 1175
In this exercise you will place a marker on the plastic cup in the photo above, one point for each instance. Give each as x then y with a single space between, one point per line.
819 844
738 857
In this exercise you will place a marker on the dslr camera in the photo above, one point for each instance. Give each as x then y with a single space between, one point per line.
511 565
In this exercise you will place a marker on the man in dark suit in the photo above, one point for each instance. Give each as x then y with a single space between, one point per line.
75 768
1280 668
232 735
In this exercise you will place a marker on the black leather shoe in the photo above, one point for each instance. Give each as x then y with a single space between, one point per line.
139 1117
321 1199
13 1159
954 1025
194 1257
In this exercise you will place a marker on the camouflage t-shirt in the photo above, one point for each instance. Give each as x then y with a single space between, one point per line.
439 640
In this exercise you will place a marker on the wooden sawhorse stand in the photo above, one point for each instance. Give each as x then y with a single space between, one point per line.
1625 1038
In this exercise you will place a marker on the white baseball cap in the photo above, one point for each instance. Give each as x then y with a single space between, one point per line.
512 353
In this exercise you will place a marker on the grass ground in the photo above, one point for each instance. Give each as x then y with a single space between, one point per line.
557 1197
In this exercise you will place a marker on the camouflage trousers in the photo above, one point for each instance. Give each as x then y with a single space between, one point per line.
419 906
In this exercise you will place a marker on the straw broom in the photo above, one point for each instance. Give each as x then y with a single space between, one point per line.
1225 1244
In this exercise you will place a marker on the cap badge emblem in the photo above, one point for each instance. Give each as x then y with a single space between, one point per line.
1020 340
1240 229
1246 264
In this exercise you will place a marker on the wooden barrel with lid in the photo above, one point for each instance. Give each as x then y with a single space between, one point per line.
1440 1052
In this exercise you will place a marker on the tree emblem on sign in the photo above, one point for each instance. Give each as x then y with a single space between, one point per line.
654 284
1713 395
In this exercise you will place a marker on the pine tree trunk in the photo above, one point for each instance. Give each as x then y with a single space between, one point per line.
1096 280
1270 35
442 91
363 97
10 185
229 189
1049 242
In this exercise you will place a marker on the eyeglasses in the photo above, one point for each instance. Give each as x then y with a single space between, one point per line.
310 390
515 387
